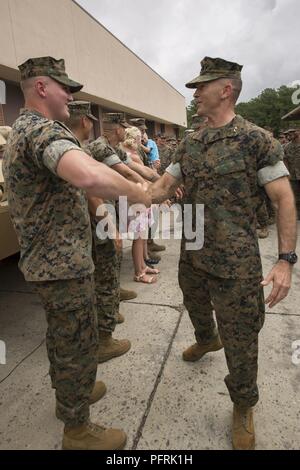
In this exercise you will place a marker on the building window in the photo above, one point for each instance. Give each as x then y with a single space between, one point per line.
162 128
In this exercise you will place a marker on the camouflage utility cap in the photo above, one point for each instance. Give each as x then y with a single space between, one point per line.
116 118
139 122
212 69
81 108
188 131
48 67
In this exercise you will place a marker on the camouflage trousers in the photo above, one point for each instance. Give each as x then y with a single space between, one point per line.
265 213
239 309
72 344
262 215
296 189
107 284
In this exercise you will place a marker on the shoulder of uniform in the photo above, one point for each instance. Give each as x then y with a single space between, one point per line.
243 123
99 144
100 148
121 152
59 130
255 131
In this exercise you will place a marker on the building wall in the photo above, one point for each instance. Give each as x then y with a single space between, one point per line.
14 101
170 131
112 75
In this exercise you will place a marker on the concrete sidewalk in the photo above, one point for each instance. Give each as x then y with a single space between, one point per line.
159 400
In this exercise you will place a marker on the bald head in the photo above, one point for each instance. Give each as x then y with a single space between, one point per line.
30 85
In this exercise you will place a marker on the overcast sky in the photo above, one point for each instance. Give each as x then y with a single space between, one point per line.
172 36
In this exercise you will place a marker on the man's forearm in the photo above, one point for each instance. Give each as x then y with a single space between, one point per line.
144 171
128 173
286 224
119 186
98 179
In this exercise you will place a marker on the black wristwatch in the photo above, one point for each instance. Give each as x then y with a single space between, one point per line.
290 257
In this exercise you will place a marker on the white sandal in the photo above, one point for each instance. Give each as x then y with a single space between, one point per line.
140 278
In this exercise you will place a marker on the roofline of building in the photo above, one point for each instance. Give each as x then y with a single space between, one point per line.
13 76
141 60
126 109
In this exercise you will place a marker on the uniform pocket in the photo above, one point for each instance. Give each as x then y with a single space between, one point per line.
230 166
232 181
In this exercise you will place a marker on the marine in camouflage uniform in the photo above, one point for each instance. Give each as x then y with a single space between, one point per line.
227 271
165 156
106 256
292 158
52 222
46 212
224 169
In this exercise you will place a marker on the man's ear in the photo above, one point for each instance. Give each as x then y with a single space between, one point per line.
84 122
227 91
40 87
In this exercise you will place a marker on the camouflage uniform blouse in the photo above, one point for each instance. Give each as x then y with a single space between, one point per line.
50 215
292 156
220 170
101 151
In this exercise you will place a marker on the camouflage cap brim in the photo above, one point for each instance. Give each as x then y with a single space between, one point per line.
90 116
204 78
289 131
71 84
125 124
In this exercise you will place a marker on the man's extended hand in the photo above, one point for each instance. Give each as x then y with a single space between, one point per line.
281 276
179 192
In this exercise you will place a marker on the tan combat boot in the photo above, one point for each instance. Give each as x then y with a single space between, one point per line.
127 294
93 437
110 347
196 351
120 318
243 434
98 392
153 255
152 246
263 232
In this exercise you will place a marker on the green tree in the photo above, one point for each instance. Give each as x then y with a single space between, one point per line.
267 109
191 110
